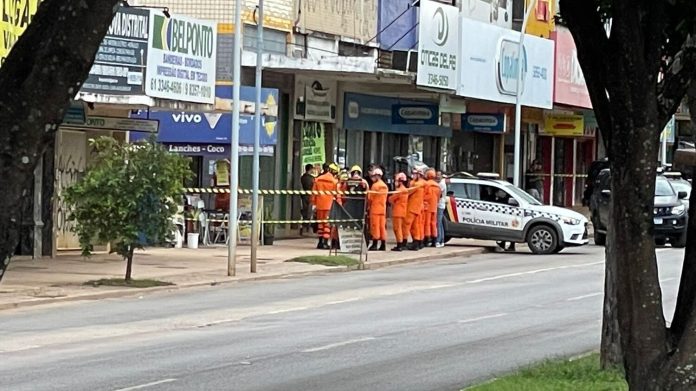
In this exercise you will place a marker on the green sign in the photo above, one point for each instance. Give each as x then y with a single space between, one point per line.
313 151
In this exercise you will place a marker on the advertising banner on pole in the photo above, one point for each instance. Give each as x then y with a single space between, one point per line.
438 45
119 66
181 58
313 150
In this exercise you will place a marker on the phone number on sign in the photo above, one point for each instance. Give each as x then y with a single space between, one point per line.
438 80
160 85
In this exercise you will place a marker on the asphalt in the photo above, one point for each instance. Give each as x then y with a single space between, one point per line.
436 326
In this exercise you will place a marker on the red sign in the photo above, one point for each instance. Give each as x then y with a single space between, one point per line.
570 88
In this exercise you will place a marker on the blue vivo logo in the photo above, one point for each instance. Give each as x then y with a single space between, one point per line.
508 65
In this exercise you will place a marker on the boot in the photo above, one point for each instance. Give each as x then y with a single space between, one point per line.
415 245
320 245
433 242
383 246
421 244
397 247
373 247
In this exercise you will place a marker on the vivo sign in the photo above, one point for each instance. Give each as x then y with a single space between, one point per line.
508 66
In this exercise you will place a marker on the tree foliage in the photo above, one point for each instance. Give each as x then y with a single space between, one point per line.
639 60
127 197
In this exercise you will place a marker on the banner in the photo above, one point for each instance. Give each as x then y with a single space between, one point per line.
313 151
484 123
119 66
315 99
15 16
438 49
564 125
181 58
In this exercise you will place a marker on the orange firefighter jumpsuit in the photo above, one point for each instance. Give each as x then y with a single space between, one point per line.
415 207
399 202
377 209
432 196
324 202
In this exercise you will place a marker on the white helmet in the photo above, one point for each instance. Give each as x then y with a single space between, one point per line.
377 171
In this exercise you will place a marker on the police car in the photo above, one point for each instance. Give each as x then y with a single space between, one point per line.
480 207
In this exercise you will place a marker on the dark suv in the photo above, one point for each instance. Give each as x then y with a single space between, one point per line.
670 220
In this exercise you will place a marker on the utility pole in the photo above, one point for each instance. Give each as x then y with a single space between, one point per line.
234 147
255 226
518 97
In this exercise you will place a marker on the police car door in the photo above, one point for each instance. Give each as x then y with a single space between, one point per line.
498 218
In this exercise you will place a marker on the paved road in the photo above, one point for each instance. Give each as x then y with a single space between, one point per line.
436 326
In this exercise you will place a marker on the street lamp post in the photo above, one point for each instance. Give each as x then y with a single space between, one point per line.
255 226
234 143
518 97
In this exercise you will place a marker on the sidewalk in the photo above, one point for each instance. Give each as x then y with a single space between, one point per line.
33 282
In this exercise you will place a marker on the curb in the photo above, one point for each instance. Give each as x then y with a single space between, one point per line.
130 292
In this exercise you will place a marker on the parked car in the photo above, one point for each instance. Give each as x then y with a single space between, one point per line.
670 214
595 168
680 185
491 209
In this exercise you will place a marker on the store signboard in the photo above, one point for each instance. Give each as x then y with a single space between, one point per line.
376 114
315 99
564 125
119 65
181 58
491 61
570 88
412 114
216 128
484 123
438 45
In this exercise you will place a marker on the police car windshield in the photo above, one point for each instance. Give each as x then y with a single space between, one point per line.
521 194
663 188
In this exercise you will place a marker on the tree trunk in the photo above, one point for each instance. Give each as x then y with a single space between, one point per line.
632 247
129 264
611 356
42 73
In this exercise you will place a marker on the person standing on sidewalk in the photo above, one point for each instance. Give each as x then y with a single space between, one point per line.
377 210
307 182
399 203
413 223
441 206
432 197
323 202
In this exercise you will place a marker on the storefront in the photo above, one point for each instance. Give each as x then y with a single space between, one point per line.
205 138
478 138
377 129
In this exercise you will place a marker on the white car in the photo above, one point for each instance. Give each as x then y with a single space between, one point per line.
489 209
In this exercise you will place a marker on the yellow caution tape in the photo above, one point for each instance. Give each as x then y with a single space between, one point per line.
271 192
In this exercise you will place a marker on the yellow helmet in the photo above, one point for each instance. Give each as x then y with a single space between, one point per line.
333 167
343 176
356 168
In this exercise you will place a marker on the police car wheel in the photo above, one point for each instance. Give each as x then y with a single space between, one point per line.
542 239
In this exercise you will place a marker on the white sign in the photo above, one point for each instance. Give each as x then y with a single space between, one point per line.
497 12
315 99
125 124
181 58
438 45
351 240
490 62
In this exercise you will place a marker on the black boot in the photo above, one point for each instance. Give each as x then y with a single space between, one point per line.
397 248
373 247
421 244
414 246
433 242
383 246
320 245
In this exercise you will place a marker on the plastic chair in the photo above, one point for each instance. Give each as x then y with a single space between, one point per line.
221 230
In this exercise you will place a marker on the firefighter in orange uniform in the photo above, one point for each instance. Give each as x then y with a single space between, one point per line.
432 197
412 222
399 203
324 202
377 210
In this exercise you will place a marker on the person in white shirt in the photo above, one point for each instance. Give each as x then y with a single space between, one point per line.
442 204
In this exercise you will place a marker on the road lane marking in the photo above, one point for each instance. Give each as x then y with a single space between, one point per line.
529 272
576 298
343 301
146 385
480 318
337 344
287 310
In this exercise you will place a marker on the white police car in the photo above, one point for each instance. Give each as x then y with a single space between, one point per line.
489 209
